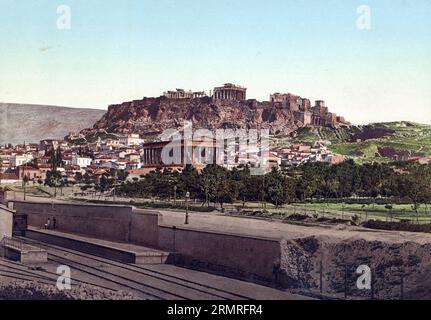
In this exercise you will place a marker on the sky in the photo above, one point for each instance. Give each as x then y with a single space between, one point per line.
117 51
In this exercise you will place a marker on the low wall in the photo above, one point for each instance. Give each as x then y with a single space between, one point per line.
6 196
245 256
248 257
115 223
144 228
86 247
6 222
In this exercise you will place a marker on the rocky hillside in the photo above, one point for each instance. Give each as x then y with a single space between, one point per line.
153 115
32 123
381 142
374 142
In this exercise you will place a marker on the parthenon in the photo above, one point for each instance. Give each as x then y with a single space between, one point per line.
230 92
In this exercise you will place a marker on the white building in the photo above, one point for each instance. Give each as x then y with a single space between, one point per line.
131 139
19 160
82 162
111 144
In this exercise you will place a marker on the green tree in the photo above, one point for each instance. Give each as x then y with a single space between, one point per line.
54 180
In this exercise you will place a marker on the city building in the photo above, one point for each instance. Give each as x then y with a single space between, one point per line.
130 139
177 153
29 172
19 160
82 162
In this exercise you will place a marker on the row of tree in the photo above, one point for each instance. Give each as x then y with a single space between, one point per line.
310 181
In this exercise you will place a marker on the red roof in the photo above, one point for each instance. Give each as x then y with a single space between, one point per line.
8 176
24 168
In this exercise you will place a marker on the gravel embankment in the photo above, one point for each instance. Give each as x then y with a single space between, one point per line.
24 290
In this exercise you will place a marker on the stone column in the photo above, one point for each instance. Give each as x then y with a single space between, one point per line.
197 155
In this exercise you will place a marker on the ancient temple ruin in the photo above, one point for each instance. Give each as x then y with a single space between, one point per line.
230 92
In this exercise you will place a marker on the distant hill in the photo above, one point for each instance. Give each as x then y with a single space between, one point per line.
32 123
380 142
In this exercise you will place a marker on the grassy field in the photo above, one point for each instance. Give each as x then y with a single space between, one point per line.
43 191
375 211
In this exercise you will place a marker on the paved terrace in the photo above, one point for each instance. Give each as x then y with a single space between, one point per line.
277 229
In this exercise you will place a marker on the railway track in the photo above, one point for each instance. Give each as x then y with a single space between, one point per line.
151 283
43 276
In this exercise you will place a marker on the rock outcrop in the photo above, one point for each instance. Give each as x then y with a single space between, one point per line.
154 115
398 270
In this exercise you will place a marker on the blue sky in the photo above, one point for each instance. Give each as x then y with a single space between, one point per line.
122 50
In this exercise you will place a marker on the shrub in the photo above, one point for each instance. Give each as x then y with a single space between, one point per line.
397 226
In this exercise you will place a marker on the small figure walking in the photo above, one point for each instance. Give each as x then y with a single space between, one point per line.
54 223
276 272
48 224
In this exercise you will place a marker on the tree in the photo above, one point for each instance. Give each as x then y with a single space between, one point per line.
280 189
241 175
54 180
415 186
189 181
25 181
33 163
227 192
349 178
55 158
275 188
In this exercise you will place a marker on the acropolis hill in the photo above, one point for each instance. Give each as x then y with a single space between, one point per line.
226 107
